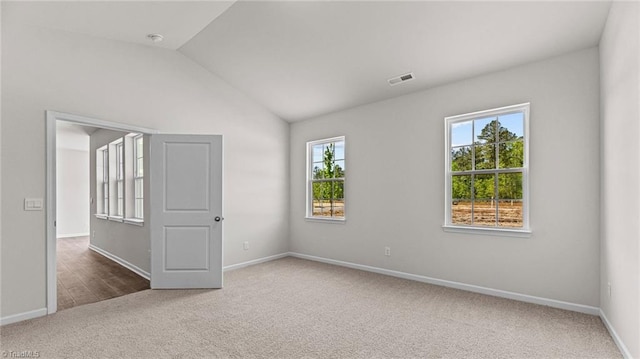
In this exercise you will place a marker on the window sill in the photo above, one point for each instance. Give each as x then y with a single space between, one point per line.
134 221
505 232
326 220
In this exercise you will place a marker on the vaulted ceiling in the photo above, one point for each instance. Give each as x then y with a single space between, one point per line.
129 21
301 59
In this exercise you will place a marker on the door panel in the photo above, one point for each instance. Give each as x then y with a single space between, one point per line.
193 172
186 198
186 248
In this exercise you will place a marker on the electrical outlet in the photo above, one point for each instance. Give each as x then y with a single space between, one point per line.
387 251
245 245
609 289
94 234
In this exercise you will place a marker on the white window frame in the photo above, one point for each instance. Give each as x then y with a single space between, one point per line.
523 231
117 185
102 207
138 209
105 180
310 180
119 179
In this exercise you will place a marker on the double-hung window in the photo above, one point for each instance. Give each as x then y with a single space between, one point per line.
105 181
102 174
487 170
325 179
119 179
138 177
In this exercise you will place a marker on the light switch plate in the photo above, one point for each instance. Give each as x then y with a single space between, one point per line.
33 204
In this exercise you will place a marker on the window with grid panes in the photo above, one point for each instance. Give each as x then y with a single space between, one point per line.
487 169
325 179
102 179
138 177
119 179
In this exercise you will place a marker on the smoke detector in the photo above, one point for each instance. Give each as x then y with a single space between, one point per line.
155 37
400 79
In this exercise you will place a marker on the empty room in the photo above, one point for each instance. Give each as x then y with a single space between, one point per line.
320 179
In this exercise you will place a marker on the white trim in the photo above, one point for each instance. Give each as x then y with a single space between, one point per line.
616 339
23 316
51 215
70 235
326 220
490 112
255 261
457 285
325 140
109 125
504 232
134 181
309 194
144 274
134 221
526 200
50 162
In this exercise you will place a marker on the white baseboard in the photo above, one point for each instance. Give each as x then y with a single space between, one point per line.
255 261
457 285
23 316
623 348
445 283
144 274
69 235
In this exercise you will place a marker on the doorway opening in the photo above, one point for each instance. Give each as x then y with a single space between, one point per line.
180 246
79 271
84 275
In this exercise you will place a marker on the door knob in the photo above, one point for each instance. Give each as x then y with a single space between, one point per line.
218 219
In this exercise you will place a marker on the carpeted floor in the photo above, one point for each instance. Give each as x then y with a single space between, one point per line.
293 308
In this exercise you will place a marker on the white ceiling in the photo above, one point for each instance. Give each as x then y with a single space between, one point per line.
130 21
301 59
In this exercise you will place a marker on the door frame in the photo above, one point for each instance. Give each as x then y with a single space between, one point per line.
50 191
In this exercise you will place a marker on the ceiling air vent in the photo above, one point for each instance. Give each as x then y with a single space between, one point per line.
400 79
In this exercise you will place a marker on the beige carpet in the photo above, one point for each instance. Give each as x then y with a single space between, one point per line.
292 308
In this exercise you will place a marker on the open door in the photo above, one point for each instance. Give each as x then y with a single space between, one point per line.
186 211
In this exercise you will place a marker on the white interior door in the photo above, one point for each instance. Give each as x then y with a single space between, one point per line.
186 211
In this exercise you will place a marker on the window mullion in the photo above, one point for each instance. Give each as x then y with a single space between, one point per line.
496 197
488 171
473 197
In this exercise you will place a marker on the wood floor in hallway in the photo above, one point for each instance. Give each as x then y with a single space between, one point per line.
85 276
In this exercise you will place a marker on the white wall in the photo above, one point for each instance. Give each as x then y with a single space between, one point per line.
72 181
620 187
395 184
142 86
